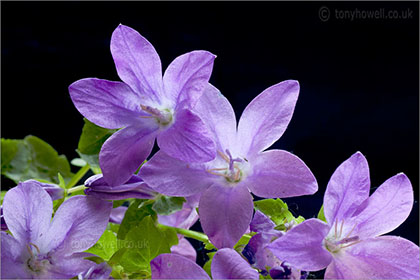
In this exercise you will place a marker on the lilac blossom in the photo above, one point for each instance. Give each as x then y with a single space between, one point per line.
146 105
226 264
350 244
184 218
41 248
241 166
132 188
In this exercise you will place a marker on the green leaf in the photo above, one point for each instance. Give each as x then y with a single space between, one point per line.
139 209
167 205
321 215
207 265
170 236
278 212
243 241
78 162
92 138
106 246
61 181
143 243
3 193
32 158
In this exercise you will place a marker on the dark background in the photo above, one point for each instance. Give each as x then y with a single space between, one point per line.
359 78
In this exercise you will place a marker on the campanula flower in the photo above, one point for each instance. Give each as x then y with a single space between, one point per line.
43 248
226 264
146 105
241 166
350 244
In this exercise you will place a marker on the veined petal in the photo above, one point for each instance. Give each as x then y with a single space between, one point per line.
27 210
125 150
173 266
347 189
387 208
105 103
183 218
12 265
384 257
225 214
302 246
217 113
66 267
78 224
98 183
266 118
137 63
261 223
117 214
184 248
228 264
188 139
174 177
187 76
277 173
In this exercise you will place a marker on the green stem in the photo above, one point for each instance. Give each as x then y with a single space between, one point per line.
79 175
75 189
189 233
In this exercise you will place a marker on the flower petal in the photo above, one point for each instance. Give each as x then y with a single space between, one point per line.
225 214
261 223
137 63
78 223
184 248
387 208
187 76
174 177
188 139
217 113
302 246
105 103
384 257
125 150
278 173
347 189
266 118
66 267
173 266
11 264
117 214
228 264
27 210
183 218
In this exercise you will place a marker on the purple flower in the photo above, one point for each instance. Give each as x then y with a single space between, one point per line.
96 271
184 218
146 106
117 214
350 244
41 248
226 264
132 188
241 166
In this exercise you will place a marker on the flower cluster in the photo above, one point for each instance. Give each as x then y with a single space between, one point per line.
131 217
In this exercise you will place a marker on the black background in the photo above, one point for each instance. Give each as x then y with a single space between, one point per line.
359 78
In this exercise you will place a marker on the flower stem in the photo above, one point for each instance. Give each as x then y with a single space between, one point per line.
79 175
188 233
75 189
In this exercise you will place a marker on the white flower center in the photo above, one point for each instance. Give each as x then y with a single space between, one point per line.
233 172
336 241
162 116
37 263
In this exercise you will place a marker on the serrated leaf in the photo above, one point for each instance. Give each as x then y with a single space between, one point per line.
32 158
167 205
106 246
144 242
321 214
139 209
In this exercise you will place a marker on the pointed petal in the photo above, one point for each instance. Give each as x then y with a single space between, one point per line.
188 139
387 208
347 188
172 266
384 257
170 176
228 264
187 76
137 63
261 223
105 103
27 210
185 249
302 246
117 214
183 218
278 173
78 223
266 118
12 265
225 214
125 150
217 113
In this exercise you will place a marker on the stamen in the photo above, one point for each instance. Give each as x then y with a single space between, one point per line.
350 231
347 240
29 250
36 247
223 156
341 228
237 175
351 244
335 228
